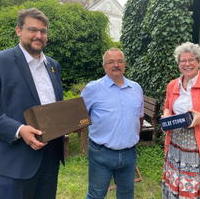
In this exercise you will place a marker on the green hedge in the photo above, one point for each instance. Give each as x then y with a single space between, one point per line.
5 3
77 37
151 30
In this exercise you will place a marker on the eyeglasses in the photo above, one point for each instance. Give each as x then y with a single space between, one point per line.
35 30
111 62
184 61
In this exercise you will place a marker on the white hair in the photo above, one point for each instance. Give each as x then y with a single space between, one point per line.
187 47
109 50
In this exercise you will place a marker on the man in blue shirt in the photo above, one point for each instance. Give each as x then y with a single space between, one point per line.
115 105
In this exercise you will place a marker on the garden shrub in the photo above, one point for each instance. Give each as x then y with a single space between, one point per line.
151 31
5 3
77 37
74 91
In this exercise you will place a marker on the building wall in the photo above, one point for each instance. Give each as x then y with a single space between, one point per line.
114 13
111 8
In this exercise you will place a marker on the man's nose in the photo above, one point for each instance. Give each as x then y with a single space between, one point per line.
116 63
39 34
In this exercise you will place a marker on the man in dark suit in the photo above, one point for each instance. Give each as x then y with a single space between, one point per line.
28 168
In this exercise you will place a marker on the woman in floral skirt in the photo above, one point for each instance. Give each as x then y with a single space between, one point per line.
181 177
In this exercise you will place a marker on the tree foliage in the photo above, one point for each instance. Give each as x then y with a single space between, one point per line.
77 37
151 31
5 3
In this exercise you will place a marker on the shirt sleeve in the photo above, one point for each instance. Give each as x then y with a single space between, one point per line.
17 133
88 94
142 106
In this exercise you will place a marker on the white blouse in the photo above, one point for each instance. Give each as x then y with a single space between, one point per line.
184 102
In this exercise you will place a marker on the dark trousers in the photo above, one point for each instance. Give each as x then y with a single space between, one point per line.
41 186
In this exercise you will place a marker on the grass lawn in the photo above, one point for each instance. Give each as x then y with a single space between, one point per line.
72 182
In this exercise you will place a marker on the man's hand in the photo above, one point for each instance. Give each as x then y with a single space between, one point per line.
28 135
196 118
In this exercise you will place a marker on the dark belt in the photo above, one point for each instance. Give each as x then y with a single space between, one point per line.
103 146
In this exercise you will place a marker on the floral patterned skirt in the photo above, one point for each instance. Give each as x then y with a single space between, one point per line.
181 177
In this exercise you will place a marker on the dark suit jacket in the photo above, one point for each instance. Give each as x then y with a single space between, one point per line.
17 93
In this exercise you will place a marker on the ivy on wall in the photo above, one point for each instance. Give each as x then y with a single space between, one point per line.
151 31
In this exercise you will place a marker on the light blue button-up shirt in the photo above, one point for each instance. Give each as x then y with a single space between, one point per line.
115 112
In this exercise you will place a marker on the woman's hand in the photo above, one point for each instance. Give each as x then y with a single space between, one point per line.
166 113
196 118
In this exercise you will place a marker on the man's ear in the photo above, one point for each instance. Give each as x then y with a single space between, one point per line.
18 31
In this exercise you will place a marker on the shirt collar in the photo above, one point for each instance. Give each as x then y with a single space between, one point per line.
191 82
109 82
30 58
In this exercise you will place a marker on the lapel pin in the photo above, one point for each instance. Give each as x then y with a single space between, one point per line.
52 69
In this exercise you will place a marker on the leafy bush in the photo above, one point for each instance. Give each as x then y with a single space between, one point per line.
4 3
77 37
74 91
77 88
151 30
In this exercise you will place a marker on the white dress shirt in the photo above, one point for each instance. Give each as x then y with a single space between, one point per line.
41 79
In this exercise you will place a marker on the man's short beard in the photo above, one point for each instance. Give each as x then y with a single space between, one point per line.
31 50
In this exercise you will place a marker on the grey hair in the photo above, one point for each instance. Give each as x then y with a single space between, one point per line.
187 47
34 13
110 50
